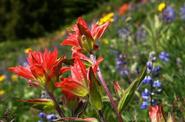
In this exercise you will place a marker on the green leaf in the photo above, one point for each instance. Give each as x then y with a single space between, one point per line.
95 90
129 92
41 104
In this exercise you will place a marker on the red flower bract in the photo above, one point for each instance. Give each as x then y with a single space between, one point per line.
79 82
42 66
83 38
87 60
156 113
123 9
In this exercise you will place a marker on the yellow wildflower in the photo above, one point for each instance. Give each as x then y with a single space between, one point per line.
27 50
2 77
107 18
14 77
161 6
2 92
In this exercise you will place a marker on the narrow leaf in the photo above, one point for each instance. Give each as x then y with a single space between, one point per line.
41 104
129 92
95 90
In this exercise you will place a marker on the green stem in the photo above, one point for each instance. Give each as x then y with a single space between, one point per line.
113 103
60 112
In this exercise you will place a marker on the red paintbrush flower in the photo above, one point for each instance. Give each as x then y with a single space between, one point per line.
83 38
82 82
42 67
88 61
77 84
156 114
123 9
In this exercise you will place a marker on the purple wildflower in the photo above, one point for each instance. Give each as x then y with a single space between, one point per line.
168 14
164 56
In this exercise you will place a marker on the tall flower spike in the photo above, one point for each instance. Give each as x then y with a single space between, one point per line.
83 38
42 67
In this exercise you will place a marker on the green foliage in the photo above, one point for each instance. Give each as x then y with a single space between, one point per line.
33 18
95 92
128 94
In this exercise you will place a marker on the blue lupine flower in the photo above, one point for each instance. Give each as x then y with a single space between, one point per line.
144 105
145 94
40 121
149 65
51 117
150 96
147 80
120 60
121 65
168 14
156 70
182 12
164 56
157 84
42 115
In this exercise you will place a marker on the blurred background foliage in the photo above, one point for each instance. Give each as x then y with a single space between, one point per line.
32 18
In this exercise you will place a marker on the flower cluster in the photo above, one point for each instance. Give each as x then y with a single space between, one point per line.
41 69
168 14
121 65
46 69
84 39
151 82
